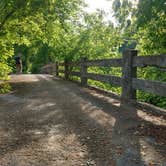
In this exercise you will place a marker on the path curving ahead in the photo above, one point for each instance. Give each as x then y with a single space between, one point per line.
46 121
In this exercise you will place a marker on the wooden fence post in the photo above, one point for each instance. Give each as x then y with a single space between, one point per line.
66 69
57 68
83 71
128 72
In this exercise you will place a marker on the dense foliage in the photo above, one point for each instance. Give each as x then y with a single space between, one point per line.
47 31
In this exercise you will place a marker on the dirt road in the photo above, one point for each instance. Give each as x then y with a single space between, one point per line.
51 122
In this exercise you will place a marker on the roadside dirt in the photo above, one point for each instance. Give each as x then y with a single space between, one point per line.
46 121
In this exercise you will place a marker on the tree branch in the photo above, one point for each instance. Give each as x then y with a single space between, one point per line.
6 18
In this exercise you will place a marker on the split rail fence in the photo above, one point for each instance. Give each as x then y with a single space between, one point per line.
129 81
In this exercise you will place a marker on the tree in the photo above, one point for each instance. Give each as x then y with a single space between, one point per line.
24 24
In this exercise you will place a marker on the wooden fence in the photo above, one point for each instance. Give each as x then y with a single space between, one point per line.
129 81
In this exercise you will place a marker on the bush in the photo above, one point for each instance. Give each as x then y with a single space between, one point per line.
5 88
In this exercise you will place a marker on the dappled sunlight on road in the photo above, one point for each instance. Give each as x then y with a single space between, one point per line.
148 152
39 107
151 118
98 115
58 123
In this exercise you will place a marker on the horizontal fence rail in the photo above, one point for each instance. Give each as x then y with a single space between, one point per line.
61 71
105 78
155 87
154 60
74 64
74 73
105 63
129 81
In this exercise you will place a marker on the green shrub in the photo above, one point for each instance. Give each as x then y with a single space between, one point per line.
5 88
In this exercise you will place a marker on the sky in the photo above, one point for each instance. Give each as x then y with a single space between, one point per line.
105 5
100 4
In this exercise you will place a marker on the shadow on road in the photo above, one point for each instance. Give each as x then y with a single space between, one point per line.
112 133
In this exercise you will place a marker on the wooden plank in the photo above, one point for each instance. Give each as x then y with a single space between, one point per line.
105 78
66 69
74 73
74 64
49 65
61 63
154 87
83 71
155 60
105 63
57 69
61 71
